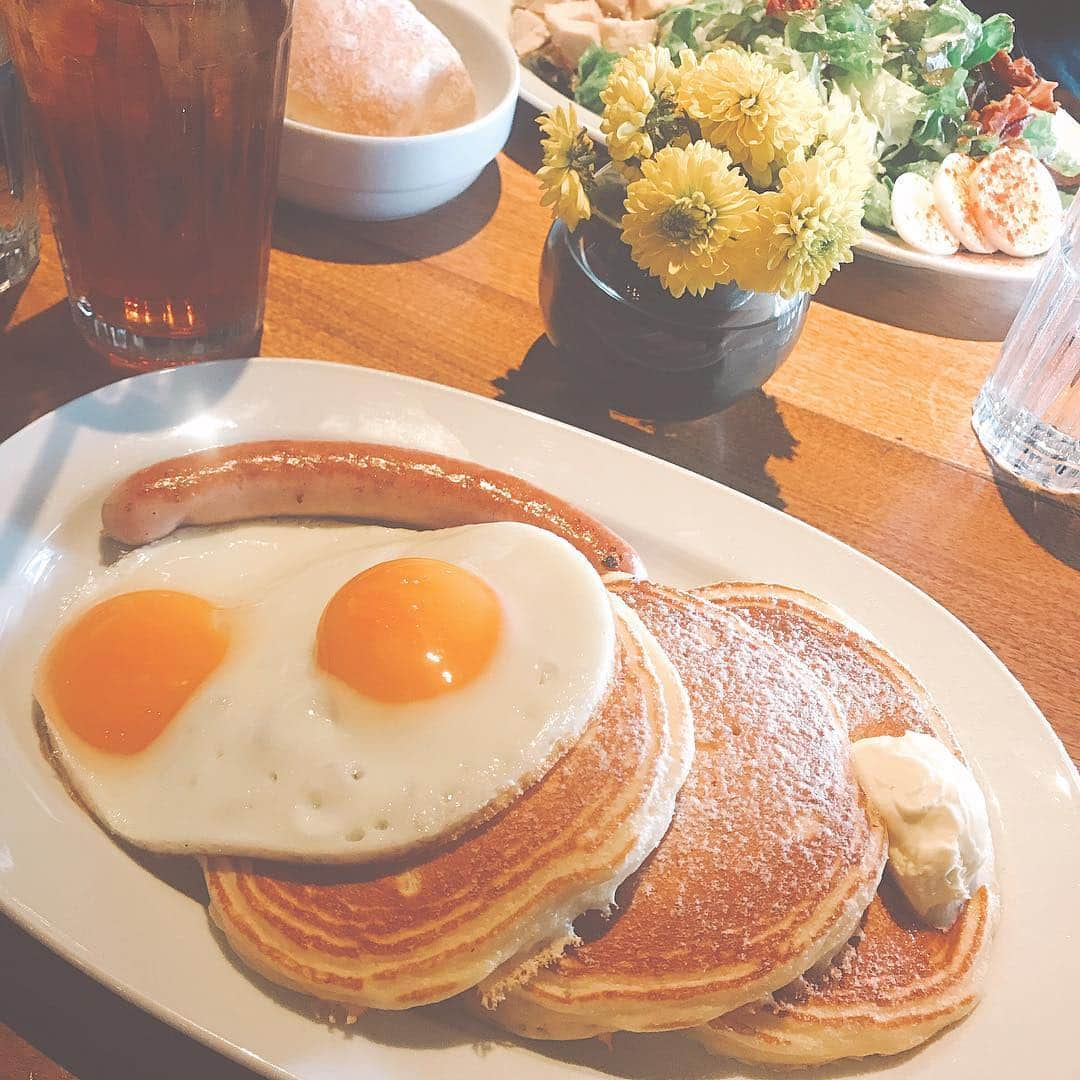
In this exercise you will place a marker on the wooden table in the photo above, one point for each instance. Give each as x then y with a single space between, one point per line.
864 433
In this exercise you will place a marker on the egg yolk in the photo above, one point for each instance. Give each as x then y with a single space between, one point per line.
409 629
120 673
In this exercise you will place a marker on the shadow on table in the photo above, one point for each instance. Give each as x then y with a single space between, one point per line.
911 298
733 447
1052 524
9 301
330 239
43 361
523 146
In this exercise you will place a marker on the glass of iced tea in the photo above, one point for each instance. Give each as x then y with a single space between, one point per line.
157 124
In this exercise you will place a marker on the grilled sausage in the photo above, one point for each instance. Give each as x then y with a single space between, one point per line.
345 480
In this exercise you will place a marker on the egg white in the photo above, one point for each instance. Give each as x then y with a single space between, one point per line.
273 757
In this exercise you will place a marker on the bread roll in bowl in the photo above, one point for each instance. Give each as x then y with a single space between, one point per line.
375 67
382 177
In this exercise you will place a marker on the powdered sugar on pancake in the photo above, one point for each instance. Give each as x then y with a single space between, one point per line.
874 697
899 982
770 859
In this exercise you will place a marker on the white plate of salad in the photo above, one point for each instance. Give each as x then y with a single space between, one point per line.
934 79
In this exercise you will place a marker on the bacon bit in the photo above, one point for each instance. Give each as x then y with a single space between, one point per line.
1041 95
1021 76
1018 72
1009 115
1006 118
777 9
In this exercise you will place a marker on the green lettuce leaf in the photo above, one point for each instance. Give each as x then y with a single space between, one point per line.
981 145
703 25
593 70
805 65
893 106
1039 133
952 33
926 169
910 27
946 108
846 36
997 34
974 142
1055 138
957 37
877 206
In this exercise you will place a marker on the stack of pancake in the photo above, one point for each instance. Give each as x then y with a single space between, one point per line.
701 858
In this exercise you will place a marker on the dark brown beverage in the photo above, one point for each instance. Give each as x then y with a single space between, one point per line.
157 126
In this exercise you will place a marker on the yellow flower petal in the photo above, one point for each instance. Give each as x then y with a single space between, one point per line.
568 156
684 216
804 230
750 108
848 137
641 91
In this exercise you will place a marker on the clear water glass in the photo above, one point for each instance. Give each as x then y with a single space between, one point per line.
1027 415
18 182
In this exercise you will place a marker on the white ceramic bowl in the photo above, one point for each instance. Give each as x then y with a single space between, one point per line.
377 177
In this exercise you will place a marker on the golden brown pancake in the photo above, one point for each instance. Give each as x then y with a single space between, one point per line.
419 931
768 866
900 982
877 696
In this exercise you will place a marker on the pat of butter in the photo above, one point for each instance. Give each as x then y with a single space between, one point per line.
940 850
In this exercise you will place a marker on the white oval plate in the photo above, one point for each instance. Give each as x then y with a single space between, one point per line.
878 245
63 879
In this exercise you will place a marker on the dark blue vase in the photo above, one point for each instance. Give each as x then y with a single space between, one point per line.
649 354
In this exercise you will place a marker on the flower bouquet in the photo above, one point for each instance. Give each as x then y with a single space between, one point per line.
724 170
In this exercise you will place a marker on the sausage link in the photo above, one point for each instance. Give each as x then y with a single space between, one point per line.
346 480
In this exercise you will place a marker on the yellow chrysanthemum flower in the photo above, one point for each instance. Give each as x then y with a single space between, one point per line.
756 112
685 215
803 231
849 136
640 99
569 161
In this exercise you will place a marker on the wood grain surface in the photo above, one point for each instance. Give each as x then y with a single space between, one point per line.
864 433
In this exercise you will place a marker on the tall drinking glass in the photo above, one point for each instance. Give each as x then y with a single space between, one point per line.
1027 415
157 125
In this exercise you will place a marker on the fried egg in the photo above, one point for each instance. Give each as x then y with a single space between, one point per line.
323 692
